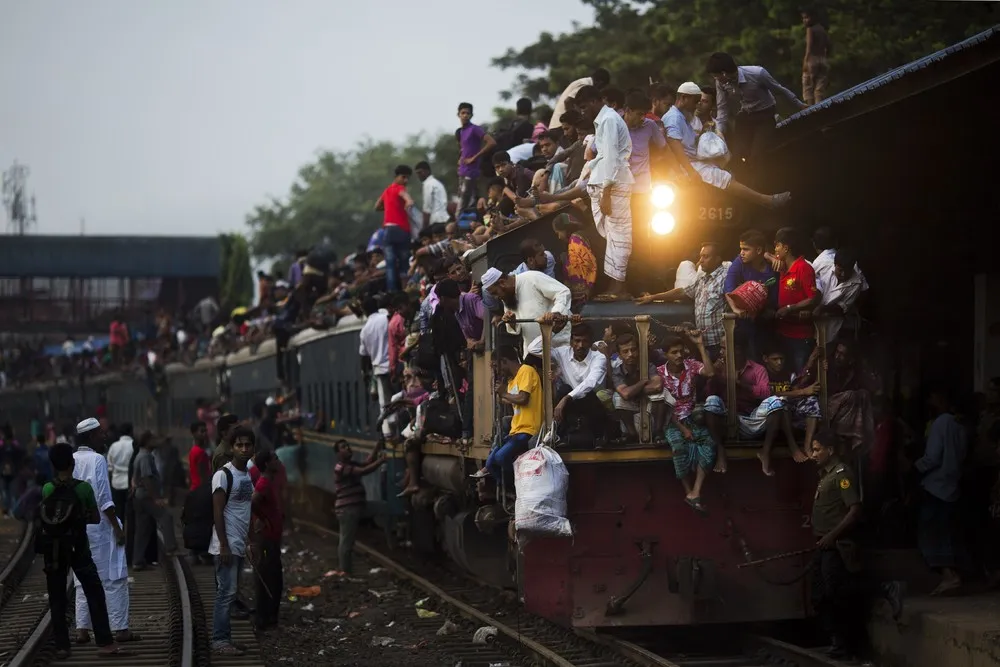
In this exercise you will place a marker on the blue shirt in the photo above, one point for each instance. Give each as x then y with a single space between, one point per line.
739 273
678 127
550 266
43 466
942 461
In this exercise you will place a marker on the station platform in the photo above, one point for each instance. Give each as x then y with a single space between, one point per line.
959 631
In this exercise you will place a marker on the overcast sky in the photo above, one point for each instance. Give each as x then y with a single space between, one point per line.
176 117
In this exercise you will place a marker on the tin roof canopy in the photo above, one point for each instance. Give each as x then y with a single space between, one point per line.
109 256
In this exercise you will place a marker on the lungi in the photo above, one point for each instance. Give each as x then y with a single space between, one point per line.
116 594
753 424
616 228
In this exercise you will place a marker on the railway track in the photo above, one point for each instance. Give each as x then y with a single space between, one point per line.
523 640
160 612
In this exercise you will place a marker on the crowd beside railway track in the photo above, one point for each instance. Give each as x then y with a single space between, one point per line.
590 173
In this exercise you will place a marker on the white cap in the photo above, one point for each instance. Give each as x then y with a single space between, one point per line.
689 88
535 347
88 424
491 277
270 401
282 284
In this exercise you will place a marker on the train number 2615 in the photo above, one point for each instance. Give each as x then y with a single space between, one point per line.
716 213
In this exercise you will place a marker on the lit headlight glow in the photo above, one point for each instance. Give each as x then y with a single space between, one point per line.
663 222
662 197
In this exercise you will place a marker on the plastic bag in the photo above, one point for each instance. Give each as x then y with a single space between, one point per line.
712 147
541 481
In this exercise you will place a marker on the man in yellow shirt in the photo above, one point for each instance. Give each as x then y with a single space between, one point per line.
524 392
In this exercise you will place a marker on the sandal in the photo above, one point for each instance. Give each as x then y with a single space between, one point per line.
228 649
696 505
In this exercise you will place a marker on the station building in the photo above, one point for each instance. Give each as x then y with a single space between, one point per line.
74 285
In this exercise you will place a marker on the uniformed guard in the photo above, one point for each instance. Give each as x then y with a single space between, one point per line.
836 563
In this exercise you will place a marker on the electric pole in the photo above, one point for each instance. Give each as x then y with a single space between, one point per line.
20 209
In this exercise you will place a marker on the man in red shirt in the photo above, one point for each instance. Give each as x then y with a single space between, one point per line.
269 514
198 462
662 97
395 202
797 297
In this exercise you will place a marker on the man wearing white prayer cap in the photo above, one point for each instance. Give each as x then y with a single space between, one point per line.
528 296
698 158
107 539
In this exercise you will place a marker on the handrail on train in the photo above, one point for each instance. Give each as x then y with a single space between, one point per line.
642 323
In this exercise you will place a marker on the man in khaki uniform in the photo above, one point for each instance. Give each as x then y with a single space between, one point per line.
839 589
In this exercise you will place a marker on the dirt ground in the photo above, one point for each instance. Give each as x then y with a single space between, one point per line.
372 618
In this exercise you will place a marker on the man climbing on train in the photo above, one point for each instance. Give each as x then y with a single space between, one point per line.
524 393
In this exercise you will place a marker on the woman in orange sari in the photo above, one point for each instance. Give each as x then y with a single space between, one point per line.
578 260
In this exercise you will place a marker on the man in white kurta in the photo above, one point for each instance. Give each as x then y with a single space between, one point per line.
610 190
107 539
528 296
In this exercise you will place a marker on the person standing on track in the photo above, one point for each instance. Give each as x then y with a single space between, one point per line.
232 493
68 506
268 508
119 456
150 506
197 514
350 505
107 539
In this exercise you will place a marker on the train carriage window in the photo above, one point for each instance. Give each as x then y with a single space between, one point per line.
328 402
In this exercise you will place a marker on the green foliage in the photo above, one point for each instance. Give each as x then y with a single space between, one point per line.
333 199
236 281
670 40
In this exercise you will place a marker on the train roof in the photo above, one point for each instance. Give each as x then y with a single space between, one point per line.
913 78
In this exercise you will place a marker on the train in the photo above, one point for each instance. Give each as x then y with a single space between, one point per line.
639 556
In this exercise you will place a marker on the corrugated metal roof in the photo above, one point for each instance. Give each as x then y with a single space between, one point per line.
110 256
896 74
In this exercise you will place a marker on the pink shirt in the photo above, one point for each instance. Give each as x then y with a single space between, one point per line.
397 339
754 375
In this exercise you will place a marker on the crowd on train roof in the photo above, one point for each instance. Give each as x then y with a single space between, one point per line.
589 170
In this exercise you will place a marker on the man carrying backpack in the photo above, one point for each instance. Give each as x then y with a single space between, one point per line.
107 539
232 493
68 506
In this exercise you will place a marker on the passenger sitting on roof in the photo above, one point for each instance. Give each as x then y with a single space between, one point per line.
683 143
536 258
582 371
579 263
524 392
628 388
758 411
693 448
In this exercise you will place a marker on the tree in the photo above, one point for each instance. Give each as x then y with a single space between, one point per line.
236 280
670 40
333 199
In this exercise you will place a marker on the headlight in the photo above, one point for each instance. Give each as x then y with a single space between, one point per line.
663 222
662 196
